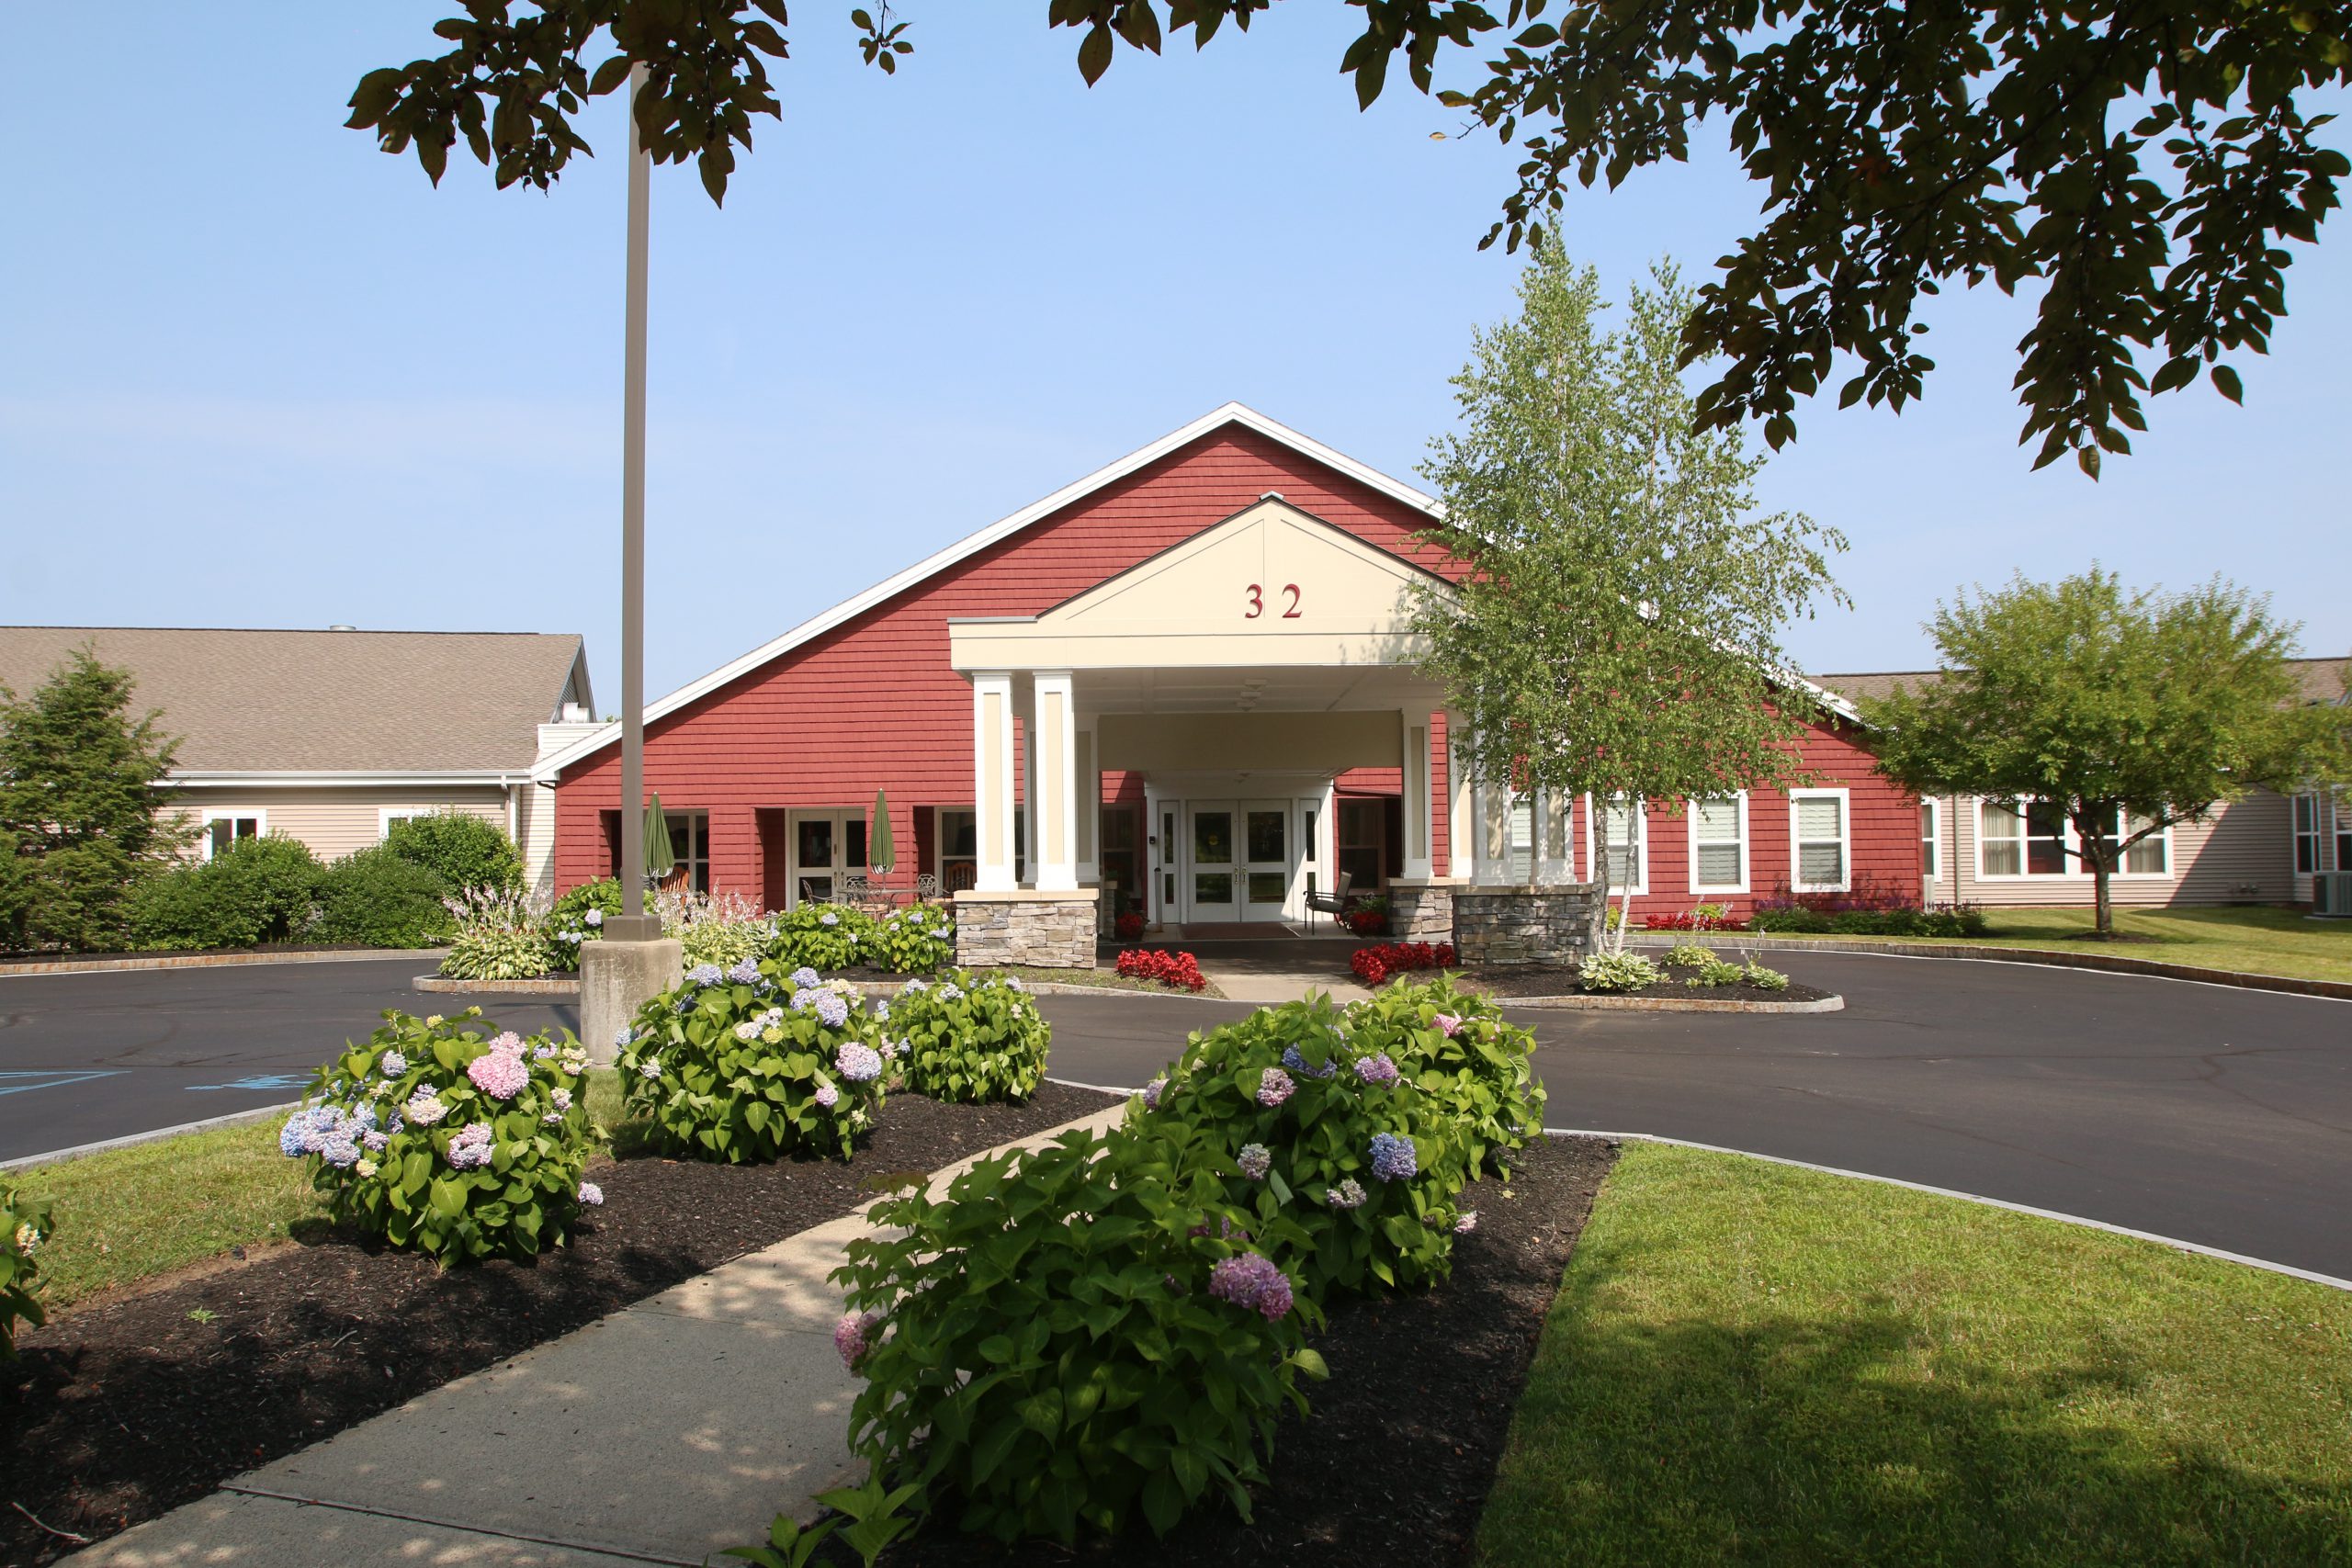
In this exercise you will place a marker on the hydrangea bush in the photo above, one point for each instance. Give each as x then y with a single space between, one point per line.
823 937
970 1039
917 940
451 1136
1074 1335
24 1226
1363 1163
756 1061
578 919
1456 1049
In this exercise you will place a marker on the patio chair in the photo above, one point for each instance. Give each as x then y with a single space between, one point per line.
1330 903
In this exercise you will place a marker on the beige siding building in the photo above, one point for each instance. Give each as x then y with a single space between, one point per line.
2262 849
331 737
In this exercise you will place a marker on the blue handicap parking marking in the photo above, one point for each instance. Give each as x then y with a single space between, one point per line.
260 1082
21 1079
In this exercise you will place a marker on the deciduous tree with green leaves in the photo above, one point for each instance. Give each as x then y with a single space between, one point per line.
2129 711
78 803
1619 633
2140 167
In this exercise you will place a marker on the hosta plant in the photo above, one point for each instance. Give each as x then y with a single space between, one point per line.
1616 972
1689 956
499 936
1456 1049
917 940
823 937
970 1038
1301 1125
1072 1335
451 1136
24 1226
755 1063
1764 979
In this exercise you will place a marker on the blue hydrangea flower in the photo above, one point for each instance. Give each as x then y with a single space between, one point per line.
1394 1159
829 919
859 1063
747 973
394 1064
804 978
914 986
704 974
340 1151
1298 1063
621 1038
951 992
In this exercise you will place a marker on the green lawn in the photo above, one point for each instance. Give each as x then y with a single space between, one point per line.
1755 1364
131 1213
2256 940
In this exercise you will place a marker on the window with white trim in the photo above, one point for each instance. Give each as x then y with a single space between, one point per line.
1928 861
2307 835
222 829
1719 844
2152 856
2343 832
391 816
1818 862
1519 838
1629 858
2021 838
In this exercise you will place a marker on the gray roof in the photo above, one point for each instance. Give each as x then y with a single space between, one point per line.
327 701
2322 680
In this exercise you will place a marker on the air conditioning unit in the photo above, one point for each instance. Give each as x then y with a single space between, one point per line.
2332 895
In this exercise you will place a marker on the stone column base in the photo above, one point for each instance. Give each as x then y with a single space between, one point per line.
1420 911
1046 931
616 979
1504 926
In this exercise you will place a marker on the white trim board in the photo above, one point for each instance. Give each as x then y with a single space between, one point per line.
2174 1242
848 609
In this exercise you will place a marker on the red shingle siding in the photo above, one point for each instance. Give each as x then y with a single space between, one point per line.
873 703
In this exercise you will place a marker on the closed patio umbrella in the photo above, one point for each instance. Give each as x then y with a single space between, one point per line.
660 861
879 847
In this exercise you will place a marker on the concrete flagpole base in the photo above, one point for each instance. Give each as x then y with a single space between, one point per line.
620 973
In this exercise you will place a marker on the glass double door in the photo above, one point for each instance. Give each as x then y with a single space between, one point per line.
1240 856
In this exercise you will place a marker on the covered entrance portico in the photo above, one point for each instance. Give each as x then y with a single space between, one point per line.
1228 687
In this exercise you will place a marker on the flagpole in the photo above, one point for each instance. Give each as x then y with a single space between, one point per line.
640 195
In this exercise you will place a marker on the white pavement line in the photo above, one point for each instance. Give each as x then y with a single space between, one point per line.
1097 1088
2045 968
566 1544
260 1114
2174 1242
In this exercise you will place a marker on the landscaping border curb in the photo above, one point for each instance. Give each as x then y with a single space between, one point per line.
439 986
2054 958
1578 1002
205 961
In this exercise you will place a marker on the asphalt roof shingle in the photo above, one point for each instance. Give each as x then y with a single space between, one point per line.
326 701
2322 680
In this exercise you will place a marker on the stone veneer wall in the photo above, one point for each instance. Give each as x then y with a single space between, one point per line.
1515 925
1048 932
1420 914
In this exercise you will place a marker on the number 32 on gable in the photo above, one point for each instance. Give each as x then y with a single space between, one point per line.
1258 602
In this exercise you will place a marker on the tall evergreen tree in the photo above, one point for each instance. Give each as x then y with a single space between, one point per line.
78 800
1621 635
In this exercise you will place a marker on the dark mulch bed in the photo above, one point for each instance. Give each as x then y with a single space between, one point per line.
1560 980
126 1407
1394 1458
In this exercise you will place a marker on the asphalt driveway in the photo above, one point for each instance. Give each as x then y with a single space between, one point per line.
2214 1115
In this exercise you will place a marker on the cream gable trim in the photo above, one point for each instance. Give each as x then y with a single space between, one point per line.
1270 586
817 625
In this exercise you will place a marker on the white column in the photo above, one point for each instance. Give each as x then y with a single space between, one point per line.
1552 862
1462 814
1418 852
1088 806
993 802
1053 774
1025 708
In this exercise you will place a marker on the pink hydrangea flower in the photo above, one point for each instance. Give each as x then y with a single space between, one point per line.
854 1335
502 1074
1275 1086
1448 1021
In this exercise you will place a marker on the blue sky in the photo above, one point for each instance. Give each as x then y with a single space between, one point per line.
254 372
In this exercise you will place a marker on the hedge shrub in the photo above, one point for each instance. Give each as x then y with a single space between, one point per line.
24 1226
449 1136
822 936
754 1062
252 891
1951 920
1074 1335
461 850
917 940
1300 1124
374 897
970 1039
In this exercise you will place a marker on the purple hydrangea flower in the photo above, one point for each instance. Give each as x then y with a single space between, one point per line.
1377 1069
299 1137
805 977
1296 1063
831 1008
829 919
1152 1091
621 1038
394 1064
424 1107
340 1151
1251 1281
854 1335
1394 1159
499 1074
704 974
859 1063
747 973
592 1195
1348 1194
1275 1086
373 1142
827 1096
595 917
1254 1161
471 1146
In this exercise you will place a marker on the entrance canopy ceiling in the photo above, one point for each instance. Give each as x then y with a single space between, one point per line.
1271 589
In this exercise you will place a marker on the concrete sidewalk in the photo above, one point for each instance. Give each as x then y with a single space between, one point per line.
664 1433
1267 970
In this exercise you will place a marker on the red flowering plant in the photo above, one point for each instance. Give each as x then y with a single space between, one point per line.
1374 965
1701 917
1129 925
1179 970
